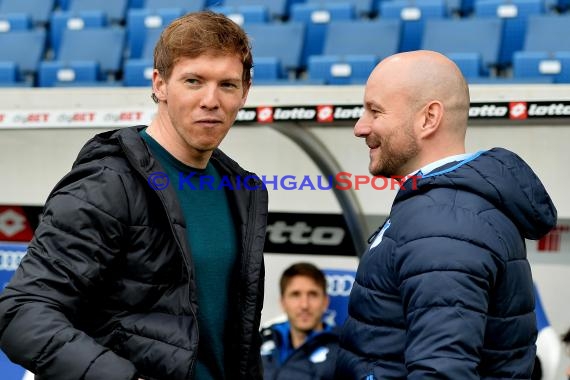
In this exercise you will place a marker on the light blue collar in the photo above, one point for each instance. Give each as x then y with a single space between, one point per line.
460 158
439 163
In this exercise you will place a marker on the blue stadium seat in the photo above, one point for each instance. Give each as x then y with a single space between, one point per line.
15 21
352 48
65 20
316 18
470 64
137 73
141 22
39 10
546 51
281 40
347 69
8 74
474 35
363 8
152 36
266 69
185 5
514 15
26 59
133 4
62 4
509 80
57 73
244 14
413 15
548 33
532 64
114 10
102 46
278 9
79 45
377 37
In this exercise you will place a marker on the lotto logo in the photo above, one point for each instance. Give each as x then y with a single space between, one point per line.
324 114
518 110
265 114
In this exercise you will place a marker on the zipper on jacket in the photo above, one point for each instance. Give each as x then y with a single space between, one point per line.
188 266
189 272
252 211
375 233
250 221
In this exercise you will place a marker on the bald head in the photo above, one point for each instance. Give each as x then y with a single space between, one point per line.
416 106
423 76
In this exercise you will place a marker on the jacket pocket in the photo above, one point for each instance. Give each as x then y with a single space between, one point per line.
161 346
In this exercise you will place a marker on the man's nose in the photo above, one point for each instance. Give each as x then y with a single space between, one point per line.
210 98
304 302
362 127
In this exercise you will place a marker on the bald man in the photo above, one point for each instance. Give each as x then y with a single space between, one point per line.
444 291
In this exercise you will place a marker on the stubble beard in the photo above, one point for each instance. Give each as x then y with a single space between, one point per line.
390 161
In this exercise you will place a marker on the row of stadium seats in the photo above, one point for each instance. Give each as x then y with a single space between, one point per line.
316 16
320 44
117 10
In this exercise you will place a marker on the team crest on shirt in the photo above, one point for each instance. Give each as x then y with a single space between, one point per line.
267 348
319 355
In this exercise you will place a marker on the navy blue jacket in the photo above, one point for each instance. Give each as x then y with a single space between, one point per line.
445 290
314 360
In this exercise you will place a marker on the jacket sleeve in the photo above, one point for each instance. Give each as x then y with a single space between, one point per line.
445 282
74 248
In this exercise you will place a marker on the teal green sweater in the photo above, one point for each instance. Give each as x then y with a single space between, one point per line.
214 247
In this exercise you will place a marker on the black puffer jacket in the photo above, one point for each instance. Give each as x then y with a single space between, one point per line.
106 290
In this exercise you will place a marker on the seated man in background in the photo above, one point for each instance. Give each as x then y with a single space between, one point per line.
303 347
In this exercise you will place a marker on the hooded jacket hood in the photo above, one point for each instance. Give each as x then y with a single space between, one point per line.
505 180
127 142
103 145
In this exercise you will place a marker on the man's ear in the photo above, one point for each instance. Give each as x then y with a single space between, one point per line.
158 86
432 116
